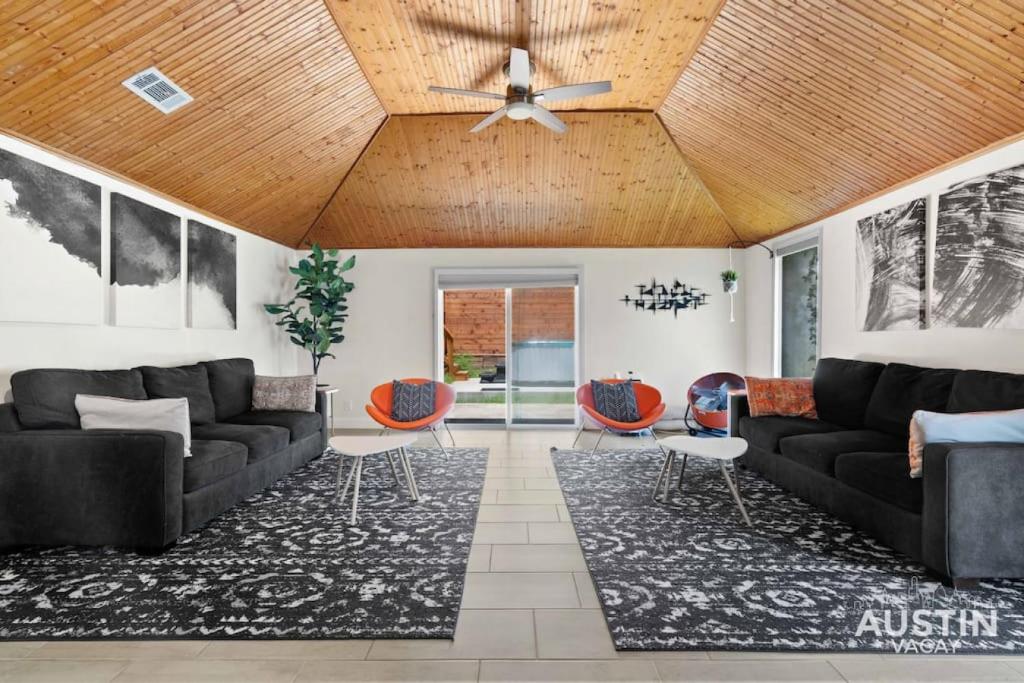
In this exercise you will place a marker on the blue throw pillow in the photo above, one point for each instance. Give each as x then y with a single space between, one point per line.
411 402
616 401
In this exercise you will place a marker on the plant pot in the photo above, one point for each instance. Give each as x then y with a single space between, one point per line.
730 286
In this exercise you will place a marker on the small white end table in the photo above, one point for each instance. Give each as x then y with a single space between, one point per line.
723 450
358 447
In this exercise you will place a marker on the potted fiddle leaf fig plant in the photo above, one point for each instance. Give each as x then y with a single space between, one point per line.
314 317
730 281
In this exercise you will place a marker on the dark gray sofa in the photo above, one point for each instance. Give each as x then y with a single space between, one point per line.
61 485
964 519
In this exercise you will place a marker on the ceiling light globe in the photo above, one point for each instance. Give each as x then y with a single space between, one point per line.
519 110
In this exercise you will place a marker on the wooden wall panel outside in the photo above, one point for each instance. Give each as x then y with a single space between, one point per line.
613 179
406 45
791 110
476 318
281 107
540 314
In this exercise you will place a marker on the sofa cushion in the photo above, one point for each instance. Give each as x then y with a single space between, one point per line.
231 383
765 432
45 399
212 461
261 440
842 390
819 451
978 390
187 381
882 475
298 424
903 389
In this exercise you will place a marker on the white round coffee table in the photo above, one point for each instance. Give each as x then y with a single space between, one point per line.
359 447
723 450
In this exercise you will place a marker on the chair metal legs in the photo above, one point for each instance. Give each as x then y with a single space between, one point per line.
433 432
599 437
578 435
450 435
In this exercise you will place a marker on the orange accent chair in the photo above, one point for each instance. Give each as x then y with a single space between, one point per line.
648 403
379 409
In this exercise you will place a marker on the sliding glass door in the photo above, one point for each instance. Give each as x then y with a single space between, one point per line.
474 354
507 343
542 372
797 307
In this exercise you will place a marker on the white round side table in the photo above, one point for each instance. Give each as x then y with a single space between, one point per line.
358 447
723 450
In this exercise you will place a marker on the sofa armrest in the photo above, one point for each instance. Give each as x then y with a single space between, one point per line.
973 516
738 407
9 418
96 487
323 407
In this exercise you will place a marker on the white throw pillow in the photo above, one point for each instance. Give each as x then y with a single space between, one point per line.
162 414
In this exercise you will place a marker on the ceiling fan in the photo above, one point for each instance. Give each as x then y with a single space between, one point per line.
520 102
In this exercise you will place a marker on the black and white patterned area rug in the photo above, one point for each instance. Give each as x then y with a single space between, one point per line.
285 563
697 578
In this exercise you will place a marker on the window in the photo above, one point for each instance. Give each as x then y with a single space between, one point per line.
797 308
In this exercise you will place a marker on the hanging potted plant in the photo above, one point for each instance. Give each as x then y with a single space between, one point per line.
730 281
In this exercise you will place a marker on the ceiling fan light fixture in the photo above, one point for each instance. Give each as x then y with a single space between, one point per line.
519 111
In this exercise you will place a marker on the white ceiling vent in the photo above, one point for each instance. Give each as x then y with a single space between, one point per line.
160 91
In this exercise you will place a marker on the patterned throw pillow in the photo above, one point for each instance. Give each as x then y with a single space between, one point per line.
284 393
789 397
998 426
615 400
411 402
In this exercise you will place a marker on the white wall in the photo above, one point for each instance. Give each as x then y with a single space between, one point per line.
987 349
390 331
262 277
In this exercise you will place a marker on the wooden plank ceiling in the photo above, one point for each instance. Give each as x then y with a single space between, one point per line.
784 110
426 181
281 107
793 109
404 46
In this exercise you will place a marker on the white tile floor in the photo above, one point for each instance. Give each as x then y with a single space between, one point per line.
529 613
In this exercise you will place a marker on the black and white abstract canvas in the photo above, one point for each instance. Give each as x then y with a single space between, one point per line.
979 253
145 264
891 275
51 221
212 278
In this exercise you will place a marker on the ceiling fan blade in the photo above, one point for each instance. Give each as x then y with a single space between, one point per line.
547 119
466 93
447 26
569 92
488 121
519 69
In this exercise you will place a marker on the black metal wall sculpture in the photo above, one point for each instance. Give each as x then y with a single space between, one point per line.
657 297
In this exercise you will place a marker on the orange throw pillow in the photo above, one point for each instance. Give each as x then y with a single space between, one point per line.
789 397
